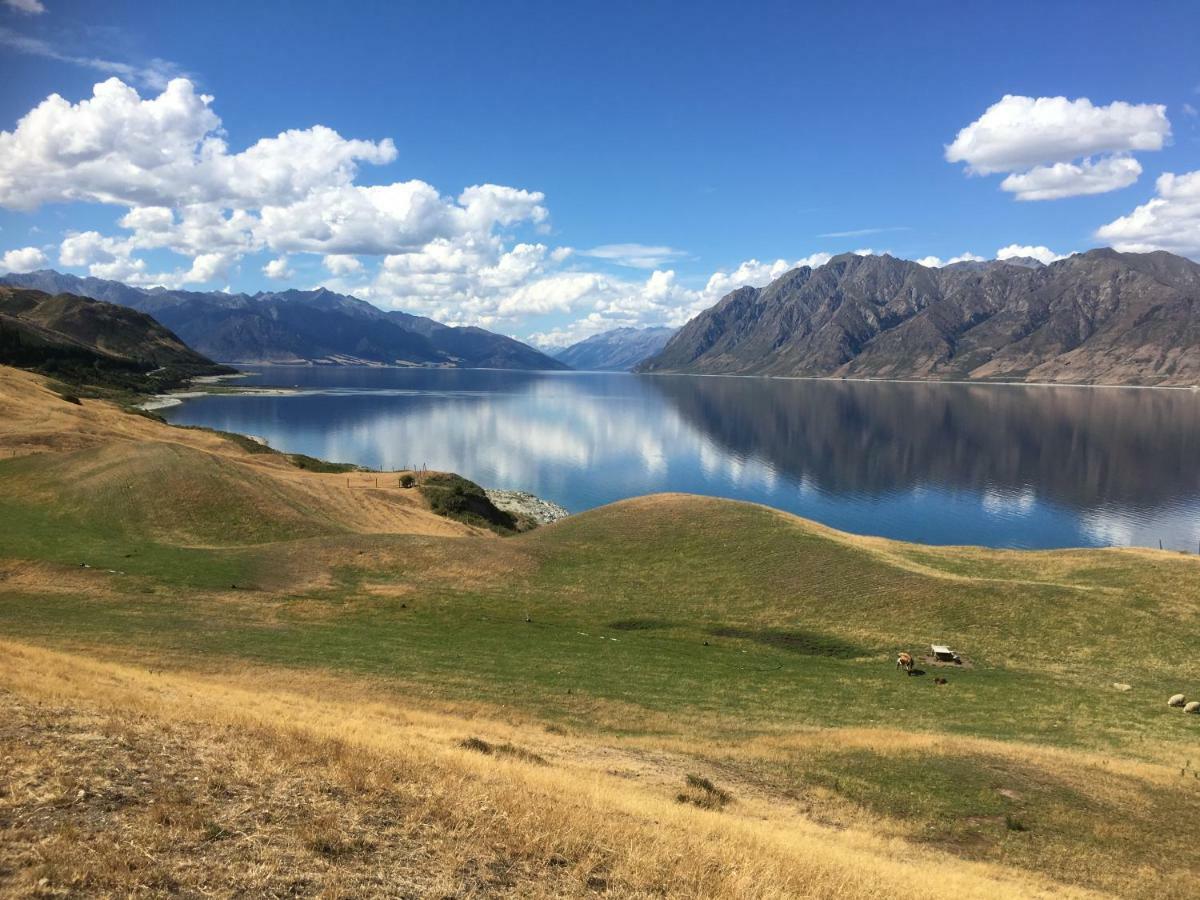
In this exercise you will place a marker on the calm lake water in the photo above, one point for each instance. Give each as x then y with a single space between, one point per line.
995 465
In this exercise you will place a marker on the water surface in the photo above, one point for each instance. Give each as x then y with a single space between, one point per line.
996 465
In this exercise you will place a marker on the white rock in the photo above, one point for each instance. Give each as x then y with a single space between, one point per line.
541 511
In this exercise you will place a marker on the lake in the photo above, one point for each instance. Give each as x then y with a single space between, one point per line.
994 465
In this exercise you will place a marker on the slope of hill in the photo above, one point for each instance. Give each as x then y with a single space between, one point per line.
311 676
617 350
1096 317
80 339
301 326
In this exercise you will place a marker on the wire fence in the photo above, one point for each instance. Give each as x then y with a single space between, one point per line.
403 478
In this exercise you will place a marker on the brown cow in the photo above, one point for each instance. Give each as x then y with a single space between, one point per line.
905 661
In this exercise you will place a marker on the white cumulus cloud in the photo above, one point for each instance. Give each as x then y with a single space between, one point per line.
1168 221
208 267
1054 147
753 273
278 269
165 159
26 259
340 264
1041 253
165 151
481 281
1022 132
936 262
87 247
1073 179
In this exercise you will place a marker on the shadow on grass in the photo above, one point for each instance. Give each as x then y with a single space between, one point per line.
639 624
806 643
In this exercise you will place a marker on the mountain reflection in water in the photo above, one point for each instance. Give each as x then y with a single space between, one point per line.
942 463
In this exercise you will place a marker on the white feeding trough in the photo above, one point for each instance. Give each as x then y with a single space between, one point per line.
944 654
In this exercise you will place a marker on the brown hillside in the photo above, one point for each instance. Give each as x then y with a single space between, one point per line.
160 475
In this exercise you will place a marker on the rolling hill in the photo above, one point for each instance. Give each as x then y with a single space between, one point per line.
1096 317
294 326
619 349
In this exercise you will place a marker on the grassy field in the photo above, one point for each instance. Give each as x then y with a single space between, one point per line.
620 651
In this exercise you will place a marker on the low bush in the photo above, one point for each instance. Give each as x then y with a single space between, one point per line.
702 792
479 745
457 498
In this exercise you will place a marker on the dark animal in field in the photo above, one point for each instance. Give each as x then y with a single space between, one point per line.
940 681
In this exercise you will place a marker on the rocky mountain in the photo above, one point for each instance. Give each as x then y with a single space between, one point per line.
81 339
294 326
617 350
1096 317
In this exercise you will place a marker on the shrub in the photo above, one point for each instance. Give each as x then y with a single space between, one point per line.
479 745
312 464
703 793
455 497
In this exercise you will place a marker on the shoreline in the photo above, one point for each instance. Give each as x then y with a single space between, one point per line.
176 398
1195 388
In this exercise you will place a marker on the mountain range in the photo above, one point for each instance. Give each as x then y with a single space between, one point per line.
619 349
294 326
1095 317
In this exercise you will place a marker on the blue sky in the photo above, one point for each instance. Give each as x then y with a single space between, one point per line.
709 135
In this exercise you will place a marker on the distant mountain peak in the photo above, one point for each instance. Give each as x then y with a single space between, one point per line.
618 349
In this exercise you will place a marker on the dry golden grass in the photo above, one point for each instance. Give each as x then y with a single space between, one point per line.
106 449
122 781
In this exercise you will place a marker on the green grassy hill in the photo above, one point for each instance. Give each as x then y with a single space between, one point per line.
728 610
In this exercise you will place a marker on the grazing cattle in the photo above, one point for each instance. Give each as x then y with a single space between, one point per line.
905 661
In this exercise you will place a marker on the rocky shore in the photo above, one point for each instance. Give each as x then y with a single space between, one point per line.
523 503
